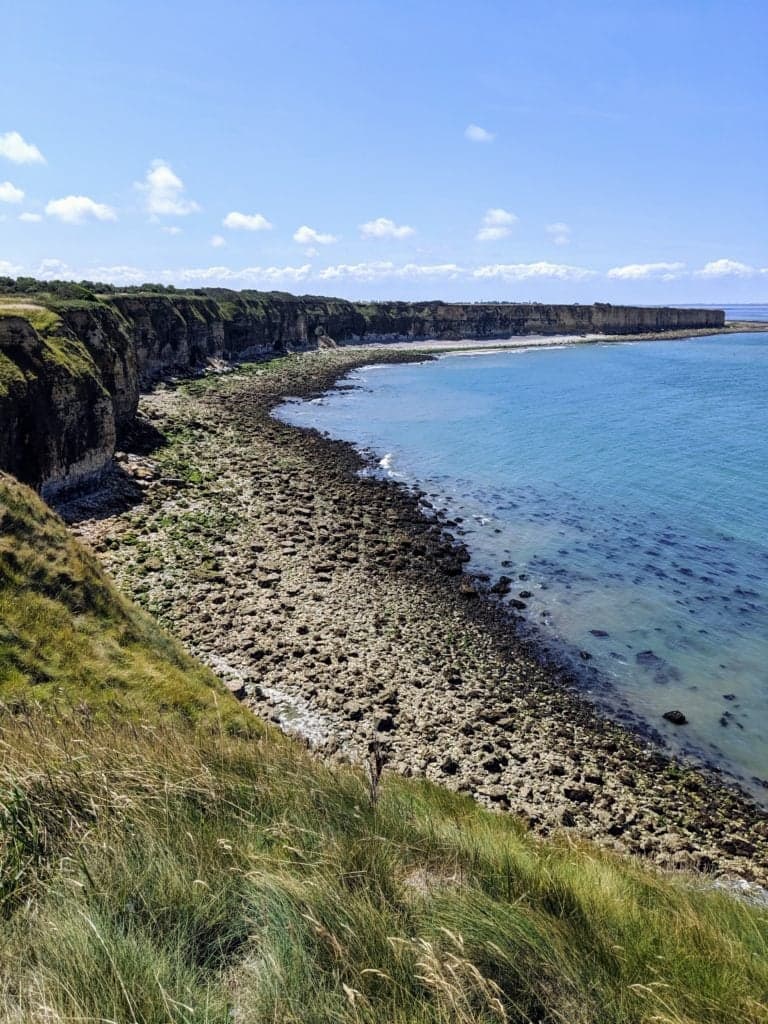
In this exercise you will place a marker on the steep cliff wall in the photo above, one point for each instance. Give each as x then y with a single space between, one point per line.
57 418
71 371
179 332
506 319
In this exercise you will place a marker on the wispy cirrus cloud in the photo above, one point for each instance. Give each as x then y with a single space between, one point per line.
663 271
14 147
496 223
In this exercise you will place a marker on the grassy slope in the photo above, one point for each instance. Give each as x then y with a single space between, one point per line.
193 866
67 636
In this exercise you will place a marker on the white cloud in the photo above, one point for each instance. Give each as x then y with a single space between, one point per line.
171 229
559 232
31 218
729 268
496 223
308 236
9 193
164 192
217 241
8 269
360 271
246 222
247 275
417 270
527 271
375 270
475 133
646 271
52 268
13 147
120 274
383 227
76 209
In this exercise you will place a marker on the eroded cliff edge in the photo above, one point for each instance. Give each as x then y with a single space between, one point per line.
71 369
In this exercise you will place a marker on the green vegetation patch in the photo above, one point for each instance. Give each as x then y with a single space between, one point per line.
9 374
70 354
66 635
45 321
165 873
166 859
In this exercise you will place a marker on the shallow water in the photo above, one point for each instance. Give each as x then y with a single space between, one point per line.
624 489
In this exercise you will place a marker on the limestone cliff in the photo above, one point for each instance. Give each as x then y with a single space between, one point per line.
71 370
57 416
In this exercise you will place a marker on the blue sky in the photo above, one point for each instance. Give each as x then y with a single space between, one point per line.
561 151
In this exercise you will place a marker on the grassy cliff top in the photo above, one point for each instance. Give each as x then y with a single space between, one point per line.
165 858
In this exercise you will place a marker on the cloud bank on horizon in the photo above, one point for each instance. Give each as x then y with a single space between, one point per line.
626 167
374 272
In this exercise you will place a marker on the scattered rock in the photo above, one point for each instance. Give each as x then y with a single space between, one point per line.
502 586
383 636
675 717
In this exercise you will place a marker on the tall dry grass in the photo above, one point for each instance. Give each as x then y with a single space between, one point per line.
171 873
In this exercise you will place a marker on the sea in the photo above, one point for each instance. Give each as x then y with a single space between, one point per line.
623 490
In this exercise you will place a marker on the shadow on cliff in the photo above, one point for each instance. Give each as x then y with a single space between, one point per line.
122 483
141 437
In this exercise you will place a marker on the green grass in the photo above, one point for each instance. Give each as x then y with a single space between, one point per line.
165 858
67 636
10 374
70 354
44 320
165 873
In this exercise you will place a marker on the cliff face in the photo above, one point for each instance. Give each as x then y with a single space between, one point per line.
71 372
503 320
184 331
57 418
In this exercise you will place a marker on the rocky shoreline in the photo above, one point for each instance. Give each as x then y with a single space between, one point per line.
333 604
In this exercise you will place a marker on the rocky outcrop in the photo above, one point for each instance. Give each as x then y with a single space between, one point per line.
71 371
57 418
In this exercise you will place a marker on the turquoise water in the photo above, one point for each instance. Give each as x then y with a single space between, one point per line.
624 489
